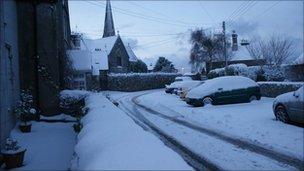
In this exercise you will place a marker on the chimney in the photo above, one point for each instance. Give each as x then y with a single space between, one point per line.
234 41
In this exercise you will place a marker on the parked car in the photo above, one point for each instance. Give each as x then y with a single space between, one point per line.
170 88
224 90
290 106
183 78
186 87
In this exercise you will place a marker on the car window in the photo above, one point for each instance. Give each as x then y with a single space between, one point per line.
300 92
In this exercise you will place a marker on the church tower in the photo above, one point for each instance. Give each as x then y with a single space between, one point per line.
109 23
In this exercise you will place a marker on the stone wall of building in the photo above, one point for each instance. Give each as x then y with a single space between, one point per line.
44 37
117 54
138 81
9 67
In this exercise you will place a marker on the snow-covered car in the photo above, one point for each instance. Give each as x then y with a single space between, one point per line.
224 90
177 87
183 78
186 87
290 106
170 88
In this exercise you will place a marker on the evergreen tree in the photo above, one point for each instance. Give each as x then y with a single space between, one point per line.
138 66
164 65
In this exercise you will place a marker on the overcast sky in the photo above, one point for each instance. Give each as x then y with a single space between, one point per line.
162 28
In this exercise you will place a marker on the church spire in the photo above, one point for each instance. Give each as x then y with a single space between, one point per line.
109 23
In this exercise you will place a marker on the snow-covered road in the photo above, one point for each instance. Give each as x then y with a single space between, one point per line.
203 144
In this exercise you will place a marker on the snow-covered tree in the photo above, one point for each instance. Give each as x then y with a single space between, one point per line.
164 65
138 66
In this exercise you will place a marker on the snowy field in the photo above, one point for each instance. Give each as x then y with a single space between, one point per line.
252 122
111 140
49 146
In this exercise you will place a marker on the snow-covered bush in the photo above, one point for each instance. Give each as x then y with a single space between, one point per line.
272 73
234 70
25 109
219 72
11 146
241 70
72 101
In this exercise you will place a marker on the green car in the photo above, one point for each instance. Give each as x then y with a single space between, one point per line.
224 90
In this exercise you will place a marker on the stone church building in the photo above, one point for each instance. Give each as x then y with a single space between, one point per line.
109 54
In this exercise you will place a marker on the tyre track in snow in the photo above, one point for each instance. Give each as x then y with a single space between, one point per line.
193 159
280 157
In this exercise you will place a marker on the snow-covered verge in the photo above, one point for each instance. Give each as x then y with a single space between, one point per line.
254 122
110 140
49 146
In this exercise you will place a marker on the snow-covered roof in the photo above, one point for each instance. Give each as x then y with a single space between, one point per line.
81 59
299 60
106 43
131 54
241 54
99 61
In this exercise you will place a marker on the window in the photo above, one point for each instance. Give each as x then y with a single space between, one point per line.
119 61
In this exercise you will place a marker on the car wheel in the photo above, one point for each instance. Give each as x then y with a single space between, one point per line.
281 114
207 101
252 98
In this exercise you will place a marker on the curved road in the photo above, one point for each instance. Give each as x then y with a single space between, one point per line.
134 109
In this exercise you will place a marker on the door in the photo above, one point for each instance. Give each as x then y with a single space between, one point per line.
296 106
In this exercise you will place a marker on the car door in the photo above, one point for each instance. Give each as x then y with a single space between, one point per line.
296 106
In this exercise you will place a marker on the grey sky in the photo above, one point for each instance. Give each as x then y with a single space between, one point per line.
161 28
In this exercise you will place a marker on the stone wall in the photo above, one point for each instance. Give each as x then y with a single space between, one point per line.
273 89
139 81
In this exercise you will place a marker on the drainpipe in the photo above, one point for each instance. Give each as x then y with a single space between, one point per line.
36 57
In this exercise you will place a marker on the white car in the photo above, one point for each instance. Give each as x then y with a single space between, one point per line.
290 106
183 78
186 86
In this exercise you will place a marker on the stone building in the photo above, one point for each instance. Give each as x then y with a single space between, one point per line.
34 37
44 37
109 54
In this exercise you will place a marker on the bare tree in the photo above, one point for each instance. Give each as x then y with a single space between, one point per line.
254 48
279 49
276 50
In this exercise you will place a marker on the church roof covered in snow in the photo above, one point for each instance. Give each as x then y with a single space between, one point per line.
106 44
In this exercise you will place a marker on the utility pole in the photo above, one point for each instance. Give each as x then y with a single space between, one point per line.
224 44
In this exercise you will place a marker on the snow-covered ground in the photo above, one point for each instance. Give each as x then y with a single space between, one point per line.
49 146
252 122
111 140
